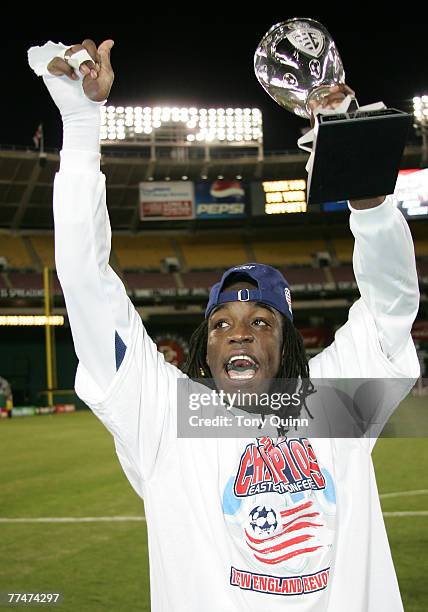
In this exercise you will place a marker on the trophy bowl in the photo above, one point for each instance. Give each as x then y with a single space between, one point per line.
297 62
356 152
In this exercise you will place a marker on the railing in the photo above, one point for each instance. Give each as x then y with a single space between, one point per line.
411 147
27 149
135 153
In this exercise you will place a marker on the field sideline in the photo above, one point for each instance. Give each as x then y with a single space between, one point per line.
64 467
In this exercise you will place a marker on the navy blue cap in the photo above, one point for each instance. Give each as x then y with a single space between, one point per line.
272 289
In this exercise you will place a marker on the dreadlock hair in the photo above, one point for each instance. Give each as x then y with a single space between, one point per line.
292 376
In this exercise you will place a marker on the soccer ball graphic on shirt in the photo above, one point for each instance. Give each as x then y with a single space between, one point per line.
263 520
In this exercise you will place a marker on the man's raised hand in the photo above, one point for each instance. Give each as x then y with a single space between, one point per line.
332 100
97 74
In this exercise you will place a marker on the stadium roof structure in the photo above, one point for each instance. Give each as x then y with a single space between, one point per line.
27 176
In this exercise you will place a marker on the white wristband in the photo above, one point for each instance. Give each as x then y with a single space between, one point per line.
81 117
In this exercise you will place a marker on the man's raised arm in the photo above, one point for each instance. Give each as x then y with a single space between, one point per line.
385 269
79 79
376 340
135 402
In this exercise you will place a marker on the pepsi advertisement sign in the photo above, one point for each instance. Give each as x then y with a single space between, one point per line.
220 199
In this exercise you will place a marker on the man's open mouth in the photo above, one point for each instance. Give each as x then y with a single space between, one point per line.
241 367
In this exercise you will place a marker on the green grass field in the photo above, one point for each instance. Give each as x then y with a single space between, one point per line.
65 466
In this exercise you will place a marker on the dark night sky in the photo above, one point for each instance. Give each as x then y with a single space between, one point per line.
209 61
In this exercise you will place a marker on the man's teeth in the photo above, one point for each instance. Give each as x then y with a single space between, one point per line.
241 367
247 358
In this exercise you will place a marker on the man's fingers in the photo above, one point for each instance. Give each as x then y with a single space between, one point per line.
333 99
91 48
337 95
88 66
85 68
344 88
99 58
104 53
59 67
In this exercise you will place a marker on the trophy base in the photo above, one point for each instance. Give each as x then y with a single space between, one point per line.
357 155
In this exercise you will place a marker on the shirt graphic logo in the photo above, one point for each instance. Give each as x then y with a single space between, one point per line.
288 466
274 541
279 506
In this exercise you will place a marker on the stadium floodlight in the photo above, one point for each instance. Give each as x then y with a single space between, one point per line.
420 115
175 125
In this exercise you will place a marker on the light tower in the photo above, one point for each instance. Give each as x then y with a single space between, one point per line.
420 115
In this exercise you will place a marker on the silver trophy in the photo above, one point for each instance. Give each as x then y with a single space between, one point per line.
356 152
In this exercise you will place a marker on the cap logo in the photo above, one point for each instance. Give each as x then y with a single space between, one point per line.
288 297
243 268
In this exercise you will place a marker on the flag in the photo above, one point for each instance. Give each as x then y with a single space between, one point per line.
294 533
38 136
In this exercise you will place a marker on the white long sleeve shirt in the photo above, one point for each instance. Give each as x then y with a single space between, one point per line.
203 554
228 532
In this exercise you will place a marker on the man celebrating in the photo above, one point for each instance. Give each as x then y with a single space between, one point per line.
233 524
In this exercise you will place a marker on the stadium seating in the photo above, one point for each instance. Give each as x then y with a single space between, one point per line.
422 267
15 251
287 252
305 277
200 280
343 276
43 245
142 251
26 280
343 249
57 290
149 280
211 251
421 248
204 256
